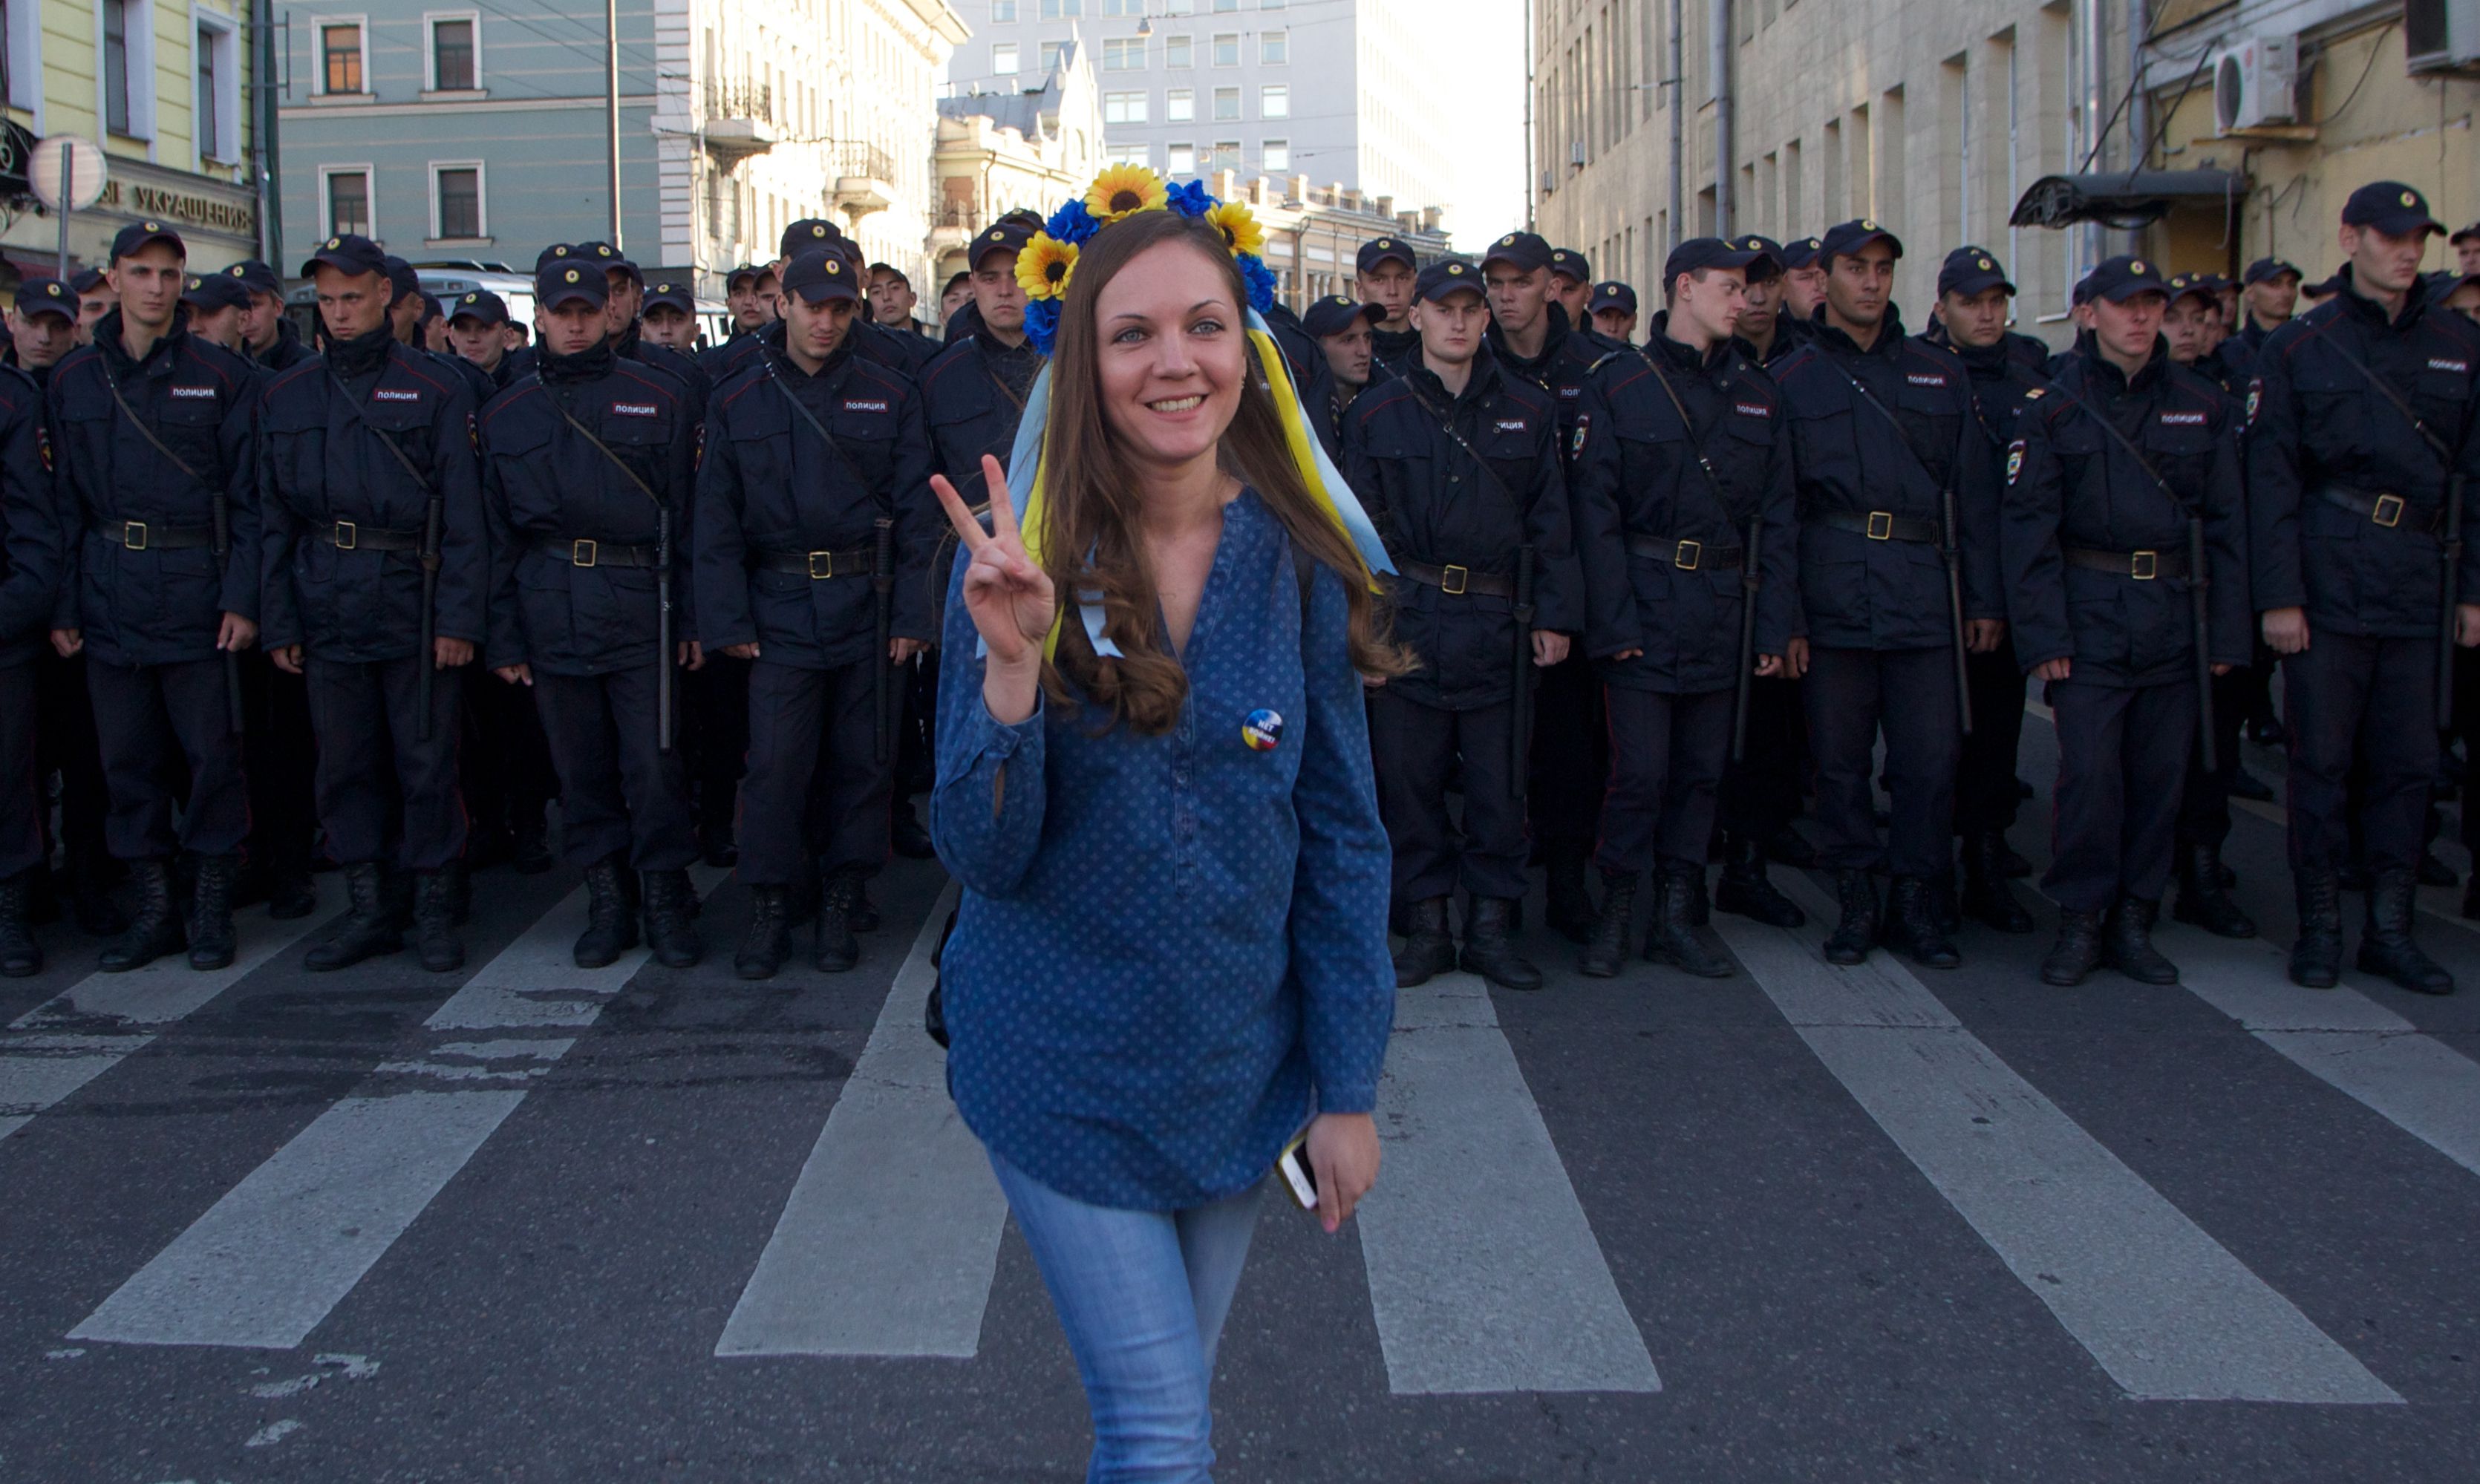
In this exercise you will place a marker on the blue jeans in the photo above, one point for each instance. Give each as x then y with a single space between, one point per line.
1142 1296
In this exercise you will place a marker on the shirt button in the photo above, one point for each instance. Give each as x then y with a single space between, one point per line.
1179 775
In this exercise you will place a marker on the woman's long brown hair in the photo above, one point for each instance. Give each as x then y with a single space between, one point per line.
1091 499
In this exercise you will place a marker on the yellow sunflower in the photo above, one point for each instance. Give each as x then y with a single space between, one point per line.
1123 191
1240 230
1044 266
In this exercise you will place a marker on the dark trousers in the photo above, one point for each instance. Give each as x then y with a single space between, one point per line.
1985 799
917 734
805 725
2466 724
1667 756
21 789
507 773
1570 757
2122 765
2347 695
714 732
374 767
618 790
150 719
1910 693
284 761
1761 791
65 743
1416 748
2205 805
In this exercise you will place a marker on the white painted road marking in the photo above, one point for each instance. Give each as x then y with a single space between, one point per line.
889 1242
2164 1309
269 1261
1484 1274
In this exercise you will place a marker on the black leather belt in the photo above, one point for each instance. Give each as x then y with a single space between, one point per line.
2142 566
587 551
346 536
1457 581
1686 554
1877 524
138 536
2390 511
818 566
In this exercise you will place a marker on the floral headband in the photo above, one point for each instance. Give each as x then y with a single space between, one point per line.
1048 261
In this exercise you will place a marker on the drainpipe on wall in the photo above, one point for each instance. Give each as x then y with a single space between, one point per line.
1719 48
1678 147
2094 249
2139 104
263 75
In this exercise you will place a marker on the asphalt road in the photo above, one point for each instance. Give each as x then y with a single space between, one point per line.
1805 1224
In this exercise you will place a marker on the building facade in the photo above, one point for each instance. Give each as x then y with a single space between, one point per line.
1001 150
165 90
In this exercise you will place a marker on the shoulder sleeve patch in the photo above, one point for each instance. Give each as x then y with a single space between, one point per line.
2014 461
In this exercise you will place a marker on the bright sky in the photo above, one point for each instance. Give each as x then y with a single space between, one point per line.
1488 149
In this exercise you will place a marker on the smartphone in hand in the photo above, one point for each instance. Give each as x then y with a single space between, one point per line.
1293 1165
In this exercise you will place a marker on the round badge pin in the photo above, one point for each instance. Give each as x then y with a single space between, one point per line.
1262 729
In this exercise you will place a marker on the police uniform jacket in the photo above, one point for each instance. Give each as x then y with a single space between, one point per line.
29 532
1397 348
572 538
2001 376
2229 365
870 341
1655 535
287 351
344 519
140 602
631 345
768 482
2317 431
973 397
1860 591
1323 399
1436 504
1302 355
1566 359
2071 485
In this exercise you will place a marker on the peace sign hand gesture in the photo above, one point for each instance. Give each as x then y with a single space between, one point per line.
1009 596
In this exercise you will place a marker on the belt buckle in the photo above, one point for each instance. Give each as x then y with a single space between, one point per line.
2389 511
818 575
1881 525
1452 581
2144 566
1689 556
133 535
583 551
347 535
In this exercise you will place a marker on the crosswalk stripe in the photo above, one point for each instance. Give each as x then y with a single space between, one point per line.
270 1261
2164 1309
89 1028
1484 1272
889 1242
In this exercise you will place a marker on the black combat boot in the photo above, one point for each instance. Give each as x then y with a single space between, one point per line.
766 944
1857 932
1568 902
669 932
1490 952
369 929
2316 957
2386 945
905 835
19 954
1672 936
1986 896
1700 908
1428 949
2126 942
610 926
833 948
715 842
211 908
434 922
1603 956
1912 924
2203 899
1745 891
862 916
2077 950
459 883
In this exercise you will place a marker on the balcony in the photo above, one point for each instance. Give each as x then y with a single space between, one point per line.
740 121
864 177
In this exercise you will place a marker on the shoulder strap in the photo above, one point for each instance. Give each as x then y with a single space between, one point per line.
1902 434
1446 425
2135 453
811 419
354 405
1695 444
2386 389
605 448
105 371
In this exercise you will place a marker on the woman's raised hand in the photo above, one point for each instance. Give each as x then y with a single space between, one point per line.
1009 595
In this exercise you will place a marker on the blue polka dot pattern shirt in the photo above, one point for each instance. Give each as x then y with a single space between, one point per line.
1169 945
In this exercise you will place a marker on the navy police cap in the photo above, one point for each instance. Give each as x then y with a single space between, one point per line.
1567 261
1383 249
1800 252
1443 277
348 254
46 296
1008 234
214 290
138 234
255 277
819 274
610 257
2265 270
568 280
1851 236
807 233
1612 296
1703 252
1335 313
2387 205
1971 271
673 292
2120 279
1526 250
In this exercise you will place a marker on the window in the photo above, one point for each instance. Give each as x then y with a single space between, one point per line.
1276 156
1180 105
115 65
1179 51
1226 102
1124 54
1002 11
1227 155
340 47
1181 159
210 142
348 202
1131 9
1048 57
1003 62
1125 154
1274 48
1222 5
1124 107
1275 101
458 189
451 55
1227 49
1062 9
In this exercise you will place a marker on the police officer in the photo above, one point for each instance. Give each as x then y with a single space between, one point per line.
217 306
626 287
95 297
1765 331
478 330
2270 290
1884 442
1686 453
1974 304
42 327
1461 463
370 495
2362 406
906 353
1343 329
808 449
1803 283
411 312
588 470
670 316
2118 467
741 302
156 479
1610 311
30 575
1571 288
267 335
1385 272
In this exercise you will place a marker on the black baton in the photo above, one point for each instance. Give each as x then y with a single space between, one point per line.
1951 544
1519 727
882 583
1749 581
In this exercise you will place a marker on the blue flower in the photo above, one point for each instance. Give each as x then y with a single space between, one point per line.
1260 279
1041 323
1071 223
1192 199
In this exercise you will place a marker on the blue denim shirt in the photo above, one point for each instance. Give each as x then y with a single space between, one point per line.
1167 943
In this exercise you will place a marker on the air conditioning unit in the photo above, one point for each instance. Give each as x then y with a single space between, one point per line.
2255 84
1576 155
2441 34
